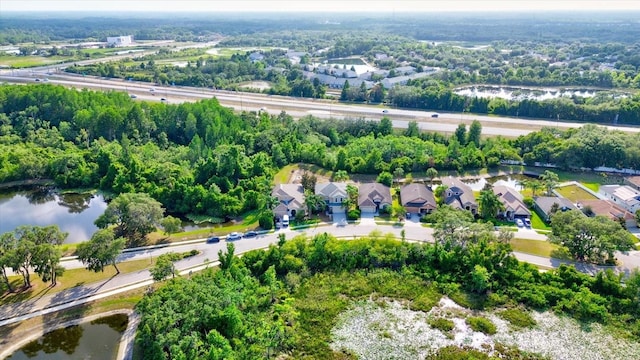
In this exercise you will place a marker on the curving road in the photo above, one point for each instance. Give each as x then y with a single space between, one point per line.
12 313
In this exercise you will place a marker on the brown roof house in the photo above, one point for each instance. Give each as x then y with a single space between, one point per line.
372 197
290 198
633 181
459 195
544 205
609 210
417 198
514 207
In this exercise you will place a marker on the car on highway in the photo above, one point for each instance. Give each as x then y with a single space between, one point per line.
213 239
385 111
434 115
37 79
133 96
234 236
519 223
163 99
152 89
527 222
250 234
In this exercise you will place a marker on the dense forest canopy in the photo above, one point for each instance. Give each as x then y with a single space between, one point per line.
201 158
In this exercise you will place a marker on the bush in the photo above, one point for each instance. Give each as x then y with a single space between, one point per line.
265 220
481 324
518 318
442 324
353 214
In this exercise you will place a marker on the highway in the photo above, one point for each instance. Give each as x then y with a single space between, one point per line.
296 107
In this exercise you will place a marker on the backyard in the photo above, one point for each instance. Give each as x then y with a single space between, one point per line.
574 193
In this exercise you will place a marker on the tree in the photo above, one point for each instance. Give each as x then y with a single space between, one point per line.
313 202
549 181
164 267
461 134
352 197
344 95
535 186
102 250
134 215
475 131
432 173
589 239
489 204
42 251
385 178
340 175
398 173
8 244
226 259
171 225
308 181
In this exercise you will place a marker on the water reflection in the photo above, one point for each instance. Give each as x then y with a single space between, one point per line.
98 340
73 213
512 181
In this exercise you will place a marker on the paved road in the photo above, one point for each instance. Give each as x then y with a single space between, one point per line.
12 313
297 107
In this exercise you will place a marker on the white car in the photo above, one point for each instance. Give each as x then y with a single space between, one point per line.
519 223
234 236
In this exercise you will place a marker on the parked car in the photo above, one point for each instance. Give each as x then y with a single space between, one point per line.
213 239
527 222
250 234
519 223
234 236
285 220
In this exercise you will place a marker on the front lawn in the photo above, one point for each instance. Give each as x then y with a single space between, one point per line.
537 222
534 247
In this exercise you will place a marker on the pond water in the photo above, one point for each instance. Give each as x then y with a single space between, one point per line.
73 213
521 93
512 181
97 340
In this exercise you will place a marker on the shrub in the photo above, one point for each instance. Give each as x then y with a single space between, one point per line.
481 324
265 220
441 324
518 318
353 214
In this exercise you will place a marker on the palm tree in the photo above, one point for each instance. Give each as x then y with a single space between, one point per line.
489 204
535 186
431 174
549 180
313 201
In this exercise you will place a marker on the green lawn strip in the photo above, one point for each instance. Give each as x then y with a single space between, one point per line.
69 279
534 247
574 193
537 222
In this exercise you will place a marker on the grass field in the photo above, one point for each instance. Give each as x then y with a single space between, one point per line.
534 247
70 278
575 193
30 61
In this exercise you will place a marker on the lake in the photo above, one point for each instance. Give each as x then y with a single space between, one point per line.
73 213
522 93
97 340
512 181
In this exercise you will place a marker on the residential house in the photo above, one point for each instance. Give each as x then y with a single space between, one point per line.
624 196
633 181
388 83
417 198
459 195
256 56
544 204
290 200
334 194
514 206
372 197
609 210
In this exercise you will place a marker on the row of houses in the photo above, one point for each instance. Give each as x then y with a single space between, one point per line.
416 198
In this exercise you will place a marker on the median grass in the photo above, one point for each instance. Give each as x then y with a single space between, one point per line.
534 247
70 278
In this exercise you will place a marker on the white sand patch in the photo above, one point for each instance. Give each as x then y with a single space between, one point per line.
392 331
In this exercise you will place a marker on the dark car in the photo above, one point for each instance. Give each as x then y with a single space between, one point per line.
434 115
250 234
213 239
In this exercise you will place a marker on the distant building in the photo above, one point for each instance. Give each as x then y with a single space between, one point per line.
624 196
120 40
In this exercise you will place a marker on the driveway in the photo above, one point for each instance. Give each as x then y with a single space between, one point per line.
339 217
367 219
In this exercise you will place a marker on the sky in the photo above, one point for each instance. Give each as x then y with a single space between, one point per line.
317 5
